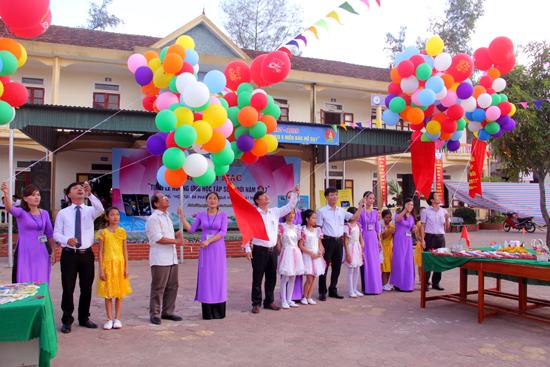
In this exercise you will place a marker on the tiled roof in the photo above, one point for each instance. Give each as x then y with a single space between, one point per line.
119 41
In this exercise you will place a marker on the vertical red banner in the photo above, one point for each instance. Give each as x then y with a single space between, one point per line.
382 181
479 149
439 184
423 162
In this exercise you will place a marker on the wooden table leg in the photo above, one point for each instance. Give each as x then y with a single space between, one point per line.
423 287
498 284
522 295
463 284
480 296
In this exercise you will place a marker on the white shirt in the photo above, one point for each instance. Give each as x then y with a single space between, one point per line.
160 225
331 220
434 220
65 220
271 222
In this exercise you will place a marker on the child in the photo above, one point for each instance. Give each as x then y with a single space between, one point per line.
312 252
290 260
418 241
113 267
353 247
387 229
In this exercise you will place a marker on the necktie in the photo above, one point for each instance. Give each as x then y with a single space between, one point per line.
78 226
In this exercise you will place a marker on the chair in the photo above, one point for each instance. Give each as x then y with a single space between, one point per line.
456 222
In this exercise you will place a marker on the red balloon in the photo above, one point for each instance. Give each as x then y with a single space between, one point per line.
197 116
15 94
448 126
505 108
506 66
186 68
461 68
405 68
416 127
259 101
231 99
148 103
236 72
170 142
26 19
429 111
482 59
249 158
455 112
417 60
486 81
394 88
275 67
501 49
256 71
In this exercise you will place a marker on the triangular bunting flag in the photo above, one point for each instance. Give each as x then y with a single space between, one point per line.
524 104
334 15
360 125
343 126
378 2
323 24
366 2
538 104
293 42
547 99
334 127
347 7
314 31
301 37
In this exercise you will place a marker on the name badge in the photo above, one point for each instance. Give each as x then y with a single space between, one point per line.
370 227
408 234
42 239
209 236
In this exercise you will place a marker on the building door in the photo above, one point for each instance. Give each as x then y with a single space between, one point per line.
331 118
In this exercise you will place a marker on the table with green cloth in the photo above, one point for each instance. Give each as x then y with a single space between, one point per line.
30 318
522 271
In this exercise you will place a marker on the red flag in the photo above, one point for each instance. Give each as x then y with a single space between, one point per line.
476 167
423 161
248 218
465 235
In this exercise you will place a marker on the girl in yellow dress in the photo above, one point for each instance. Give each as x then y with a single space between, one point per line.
113 267
387 230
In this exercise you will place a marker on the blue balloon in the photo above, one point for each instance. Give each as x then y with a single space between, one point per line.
192 57
215 81
469 116
390 118
410 52
478 115
398 58
160 176
456 135
483 135
435 83
426 97
432 137
429 60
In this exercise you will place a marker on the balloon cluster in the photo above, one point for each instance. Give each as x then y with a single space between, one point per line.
26 18
204 125
12 94
431 90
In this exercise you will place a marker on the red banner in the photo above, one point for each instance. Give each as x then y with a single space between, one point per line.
439 184
423 161
382 180
479 149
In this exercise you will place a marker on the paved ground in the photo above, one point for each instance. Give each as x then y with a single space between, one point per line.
386 330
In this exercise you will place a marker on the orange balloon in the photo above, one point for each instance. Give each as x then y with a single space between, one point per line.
175 178
494 73
448 80
445 136
172 63
150 55
478 90
176 49
150 89
415 116
404 113
10 45
270 123
440 117
260 148
394 75
248 116
215 144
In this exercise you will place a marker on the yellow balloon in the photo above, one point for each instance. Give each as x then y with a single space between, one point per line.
216 115
434 46
185 116
271 142
161 79
475 134
1 88
186 42
433 127
204 131
23 58
513 110
154 64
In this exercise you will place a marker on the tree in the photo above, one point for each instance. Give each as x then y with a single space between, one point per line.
458 24
261 25
395 44
99 17
526 148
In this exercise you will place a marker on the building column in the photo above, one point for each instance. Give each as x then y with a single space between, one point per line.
313 103
312 163
56 74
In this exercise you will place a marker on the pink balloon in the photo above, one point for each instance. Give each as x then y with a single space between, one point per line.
450 98
226 129
414 97
165 100
492 113
214 100
135 61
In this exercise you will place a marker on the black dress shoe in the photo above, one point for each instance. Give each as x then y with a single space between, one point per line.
255 309
438 288
336 295
172 317
88 324
322 297
154 320
66 328
272 307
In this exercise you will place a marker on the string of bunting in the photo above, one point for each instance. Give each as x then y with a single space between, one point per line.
537 103
297 45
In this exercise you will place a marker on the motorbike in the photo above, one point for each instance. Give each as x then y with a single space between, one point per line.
513 221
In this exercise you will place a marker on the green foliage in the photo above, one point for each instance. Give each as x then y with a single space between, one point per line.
468 214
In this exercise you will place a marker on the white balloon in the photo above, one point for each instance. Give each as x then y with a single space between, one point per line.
484 100
439 96
442 61
409 85
185 80
197 149
196 95
469 104
195 165
210 164
259 91
474 126
499 84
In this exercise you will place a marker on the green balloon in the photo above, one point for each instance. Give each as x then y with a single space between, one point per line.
221 170
9 63
397 104
423 108
185 136
174 106
236 151
495 99
244 99
503 98
425 139
201 108
241 130
423 71
492 128
258 131
233 114
245 87
207 179
225 157
163 53
166 121
7 113
277 113
460 124
173 158
224 103
172 85
270 109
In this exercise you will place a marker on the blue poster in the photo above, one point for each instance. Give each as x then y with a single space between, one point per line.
307 134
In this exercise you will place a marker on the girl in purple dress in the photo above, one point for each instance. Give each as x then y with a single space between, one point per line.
35 241
371 273
402 267
211 272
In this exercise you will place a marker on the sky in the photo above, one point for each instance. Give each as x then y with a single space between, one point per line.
360 40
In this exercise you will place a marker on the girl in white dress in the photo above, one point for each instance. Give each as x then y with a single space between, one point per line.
353 247
290 259
312 251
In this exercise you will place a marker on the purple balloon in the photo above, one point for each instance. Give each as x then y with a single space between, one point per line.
453 145
245 143
499 134
389 97
143 75
156 143
441 108
506 123
464 90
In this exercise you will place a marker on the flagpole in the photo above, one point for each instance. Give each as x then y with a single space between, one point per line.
181 225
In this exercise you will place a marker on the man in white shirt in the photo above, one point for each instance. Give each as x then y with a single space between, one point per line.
74 230
262 255
331 220
163 260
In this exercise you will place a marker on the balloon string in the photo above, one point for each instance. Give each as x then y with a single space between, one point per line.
120 168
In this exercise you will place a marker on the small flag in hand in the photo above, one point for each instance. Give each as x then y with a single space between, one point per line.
465 235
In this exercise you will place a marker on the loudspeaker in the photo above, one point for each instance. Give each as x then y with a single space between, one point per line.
41 177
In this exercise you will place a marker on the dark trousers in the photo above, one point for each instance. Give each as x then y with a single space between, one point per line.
73 264
164 290
434 241
333 256
264 261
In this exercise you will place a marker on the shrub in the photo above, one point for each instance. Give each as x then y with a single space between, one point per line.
468 214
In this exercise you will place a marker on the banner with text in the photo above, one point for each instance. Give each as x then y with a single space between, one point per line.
382 180
307 134
439 184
